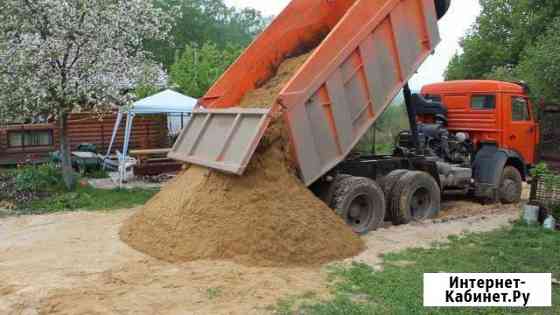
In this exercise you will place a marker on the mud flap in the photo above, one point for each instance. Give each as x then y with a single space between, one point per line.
488 167
487 170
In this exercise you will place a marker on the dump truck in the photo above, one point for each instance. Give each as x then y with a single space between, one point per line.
363 53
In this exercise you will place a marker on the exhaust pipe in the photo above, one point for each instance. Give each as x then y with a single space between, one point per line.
442 6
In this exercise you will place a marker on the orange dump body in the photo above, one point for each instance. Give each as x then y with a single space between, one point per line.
364 53
490 111
301 27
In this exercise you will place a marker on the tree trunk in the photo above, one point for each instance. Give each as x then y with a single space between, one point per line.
68 174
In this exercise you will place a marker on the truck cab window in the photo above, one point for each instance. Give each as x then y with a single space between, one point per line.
520 109
483 102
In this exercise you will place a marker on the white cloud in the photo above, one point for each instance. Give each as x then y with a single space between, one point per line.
453 27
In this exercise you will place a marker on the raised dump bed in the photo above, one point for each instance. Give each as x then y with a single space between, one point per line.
364 52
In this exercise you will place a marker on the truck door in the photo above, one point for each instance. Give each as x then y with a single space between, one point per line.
521 131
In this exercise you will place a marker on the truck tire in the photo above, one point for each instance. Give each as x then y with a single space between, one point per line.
511 186
387 184
326 191
416 196
361 203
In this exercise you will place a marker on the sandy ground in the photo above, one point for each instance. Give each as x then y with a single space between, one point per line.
74 263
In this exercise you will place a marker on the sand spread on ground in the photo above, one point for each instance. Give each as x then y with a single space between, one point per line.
266 217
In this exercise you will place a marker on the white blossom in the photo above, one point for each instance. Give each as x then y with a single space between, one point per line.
58 56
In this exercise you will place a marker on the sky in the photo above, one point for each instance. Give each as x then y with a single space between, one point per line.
453 27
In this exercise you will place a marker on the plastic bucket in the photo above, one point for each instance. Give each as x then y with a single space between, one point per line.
550 223
531 214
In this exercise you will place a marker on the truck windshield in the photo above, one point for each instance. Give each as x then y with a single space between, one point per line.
519 109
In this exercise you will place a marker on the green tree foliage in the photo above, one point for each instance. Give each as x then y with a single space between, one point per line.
146 90
498 41
199 67
540 66
503 73
456 69
382 135
202 21
514 40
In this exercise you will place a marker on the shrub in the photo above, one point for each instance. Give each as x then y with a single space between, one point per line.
31 182
41 178
546 175
7 185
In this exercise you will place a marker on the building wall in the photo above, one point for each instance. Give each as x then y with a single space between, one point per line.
12 155
148 132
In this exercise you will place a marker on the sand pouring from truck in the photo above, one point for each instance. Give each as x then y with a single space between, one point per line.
363 52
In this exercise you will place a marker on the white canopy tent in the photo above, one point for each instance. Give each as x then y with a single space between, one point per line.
177 106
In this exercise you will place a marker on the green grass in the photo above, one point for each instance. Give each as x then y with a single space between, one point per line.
214 293
286 305
40 189
89 199
358 289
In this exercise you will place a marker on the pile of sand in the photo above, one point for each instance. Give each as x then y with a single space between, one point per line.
266 217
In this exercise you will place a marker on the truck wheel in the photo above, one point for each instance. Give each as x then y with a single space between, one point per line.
511 186
387 184
361 203
326 191
416 196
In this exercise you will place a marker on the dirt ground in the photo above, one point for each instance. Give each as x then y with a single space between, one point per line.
74 263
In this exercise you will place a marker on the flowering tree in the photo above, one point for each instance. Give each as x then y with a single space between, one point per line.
59 56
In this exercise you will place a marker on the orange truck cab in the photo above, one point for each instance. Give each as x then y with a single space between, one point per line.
491 112
497 119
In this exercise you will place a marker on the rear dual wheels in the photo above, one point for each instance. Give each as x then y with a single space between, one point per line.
413 196
360 202
403 196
